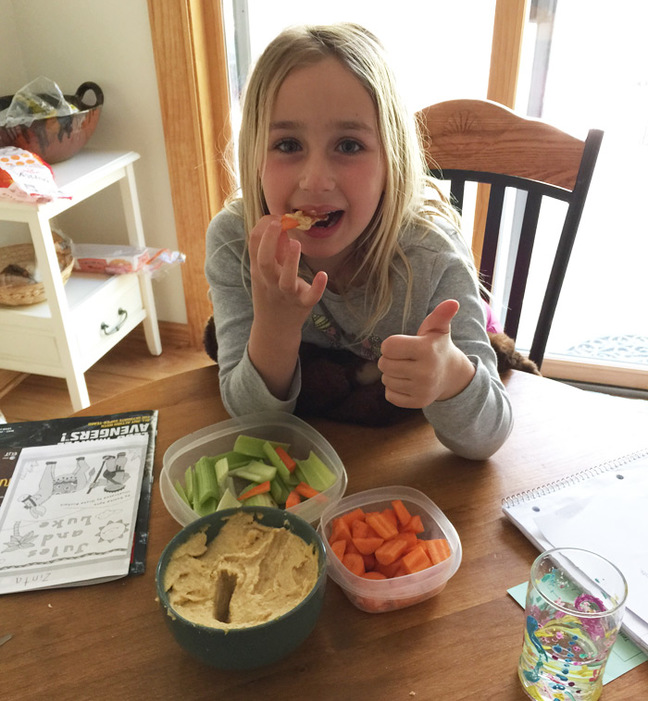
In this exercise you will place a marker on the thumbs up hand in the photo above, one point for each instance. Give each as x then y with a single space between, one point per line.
418 370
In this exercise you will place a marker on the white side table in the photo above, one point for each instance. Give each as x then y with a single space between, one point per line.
81 321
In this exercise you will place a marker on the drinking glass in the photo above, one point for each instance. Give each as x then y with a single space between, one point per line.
574 606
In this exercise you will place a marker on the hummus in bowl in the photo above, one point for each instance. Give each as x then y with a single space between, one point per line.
242 588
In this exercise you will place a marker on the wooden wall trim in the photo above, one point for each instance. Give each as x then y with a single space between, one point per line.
191 66
506 51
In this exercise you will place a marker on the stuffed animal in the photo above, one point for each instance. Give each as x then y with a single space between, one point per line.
339 385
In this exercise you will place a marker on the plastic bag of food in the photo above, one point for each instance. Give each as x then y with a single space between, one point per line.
117 260
36 100
25 177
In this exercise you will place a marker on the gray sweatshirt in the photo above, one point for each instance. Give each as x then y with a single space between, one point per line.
473 424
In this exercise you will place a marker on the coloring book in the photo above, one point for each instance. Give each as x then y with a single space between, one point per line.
74 499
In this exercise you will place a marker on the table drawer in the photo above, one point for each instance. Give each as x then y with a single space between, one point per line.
107 317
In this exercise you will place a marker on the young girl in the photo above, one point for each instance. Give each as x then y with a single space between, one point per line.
384 274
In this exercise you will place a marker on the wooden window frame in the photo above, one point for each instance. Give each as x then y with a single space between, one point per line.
191 64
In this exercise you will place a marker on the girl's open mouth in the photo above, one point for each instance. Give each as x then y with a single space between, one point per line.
330 219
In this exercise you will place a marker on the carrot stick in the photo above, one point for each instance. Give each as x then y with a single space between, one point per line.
382 525
305 490
361 529
285 458
367 546
374 575
340 529
438 549
390 551
293 499
402 514
410 539
415 525
416 560
339 548
288 222
261 488
354 563
390 515
390 570
355 515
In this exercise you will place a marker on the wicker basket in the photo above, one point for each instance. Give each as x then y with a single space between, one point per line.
23 255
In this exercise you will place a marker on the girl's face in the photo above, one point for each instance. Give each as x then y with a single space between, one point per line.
324 157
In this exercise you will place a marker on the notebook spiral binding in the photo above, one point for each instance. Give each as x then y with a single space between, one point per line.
582 476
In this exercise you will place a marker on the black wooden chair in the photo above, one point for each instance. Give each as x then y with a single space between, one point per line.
484 142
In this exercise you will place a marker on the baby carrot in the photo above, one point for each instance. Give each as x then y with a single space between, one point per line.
285 458
438 549
293 499
416 560
402 514
383 526
257 489
390 550
305 490
288 222
354 563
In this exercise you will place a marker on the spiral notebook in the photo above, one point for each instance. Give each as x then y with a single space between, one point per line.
604 509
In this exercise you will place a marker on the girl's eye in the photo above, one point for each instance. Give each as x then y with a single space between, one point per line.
287 146
349 146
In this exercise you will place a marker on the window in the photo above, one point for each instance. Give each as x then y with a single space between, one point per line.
589 69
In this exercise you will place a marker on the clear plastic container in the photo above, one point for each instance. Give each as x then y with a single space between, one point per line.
378 596
219 438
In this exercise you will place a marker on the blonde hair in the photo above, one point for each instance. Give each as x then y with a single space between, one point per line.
404 200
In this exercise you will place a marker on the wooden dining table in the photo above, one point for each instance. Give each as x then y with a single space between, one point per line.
110 641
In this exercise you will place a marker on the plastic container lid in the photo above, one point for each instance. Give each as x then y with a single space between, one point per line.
376 596
219 438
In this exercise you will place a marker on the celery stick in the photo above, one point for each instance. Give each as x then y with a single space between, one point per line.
189 484
271 454
315 473
208 506
252 446
278 489
222 470
261 500
183 495
228 501
206 484
255 471
234 459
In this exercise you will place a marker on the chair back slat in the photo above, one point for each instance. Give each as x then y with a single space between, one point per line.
491 237
523 261
457 187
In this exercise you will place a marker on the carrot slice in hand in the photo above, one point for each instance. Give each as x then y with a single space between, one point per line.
288 222
299 220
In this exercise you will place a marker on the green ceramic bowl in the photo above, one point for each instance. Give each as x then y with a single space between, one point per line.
255 646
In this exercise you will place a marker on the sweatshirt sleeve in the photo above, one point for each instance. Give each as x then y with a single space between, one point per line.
476 422
243 390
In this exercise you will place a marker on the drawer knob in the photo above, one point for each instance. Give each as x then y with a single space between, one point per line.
123 315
